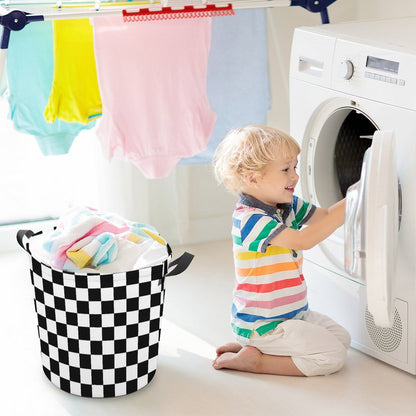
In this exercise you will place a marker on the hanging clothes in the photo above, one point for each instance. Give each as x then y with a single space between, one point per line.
238 79
3 84
30 75
74 96
152 79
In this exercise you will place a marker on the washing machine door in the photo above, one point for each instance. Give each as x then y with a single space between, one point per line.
372 225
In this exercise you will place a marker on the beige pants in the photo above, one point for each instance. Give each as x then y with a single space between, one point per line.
317 344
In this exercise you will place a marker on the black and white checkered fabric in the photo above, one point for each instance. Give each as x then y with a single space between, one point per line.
99 334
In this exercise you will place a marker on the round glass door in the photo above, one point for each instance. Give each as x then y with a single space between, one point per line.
335 155
335 149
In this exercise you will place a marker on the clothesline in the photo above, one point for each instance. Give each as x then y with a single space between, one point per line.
75 9
15 16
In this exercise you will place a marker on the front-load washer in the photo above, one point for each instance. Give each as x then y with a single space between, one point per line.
353 111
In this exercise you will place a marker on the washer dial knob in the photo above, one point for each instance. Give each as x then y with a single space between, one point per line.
346 69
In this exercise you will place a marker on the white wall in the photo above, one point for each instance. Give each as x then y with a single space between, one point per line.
188 206
369 9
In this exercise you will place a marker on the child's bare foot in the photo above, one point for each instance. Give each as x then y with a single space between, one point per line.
250 359
242 358
230 347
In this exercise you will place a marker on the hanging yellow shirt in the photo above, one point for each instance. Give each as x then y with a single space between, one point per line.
75 96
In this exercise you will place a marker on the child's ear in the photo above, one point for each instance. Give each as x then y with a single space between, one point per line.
251 178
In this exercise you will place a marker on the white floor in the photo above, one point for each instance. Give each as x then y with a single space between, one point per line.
196 321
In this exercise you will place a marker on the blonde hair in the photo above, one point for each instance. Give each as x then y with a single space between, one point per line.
249 150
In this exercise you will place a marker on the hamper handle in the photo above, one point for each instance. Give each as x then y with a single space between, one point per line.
181 264
23 236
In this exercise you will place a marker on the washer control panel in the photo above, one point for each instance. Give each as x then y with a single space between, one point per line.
370 71
358 61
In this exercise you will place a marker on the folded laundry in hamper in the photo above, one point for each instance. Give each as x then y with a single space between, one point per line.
99 333
96 241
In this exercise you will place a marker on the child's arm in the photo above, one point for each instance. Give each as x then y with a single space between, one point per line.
321 225
323 212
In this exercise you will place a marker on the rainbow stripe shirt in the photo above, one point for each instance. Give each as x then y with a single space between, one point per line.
269 286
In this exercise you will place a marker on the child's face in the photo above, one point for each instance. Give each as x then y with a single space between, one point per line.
277 184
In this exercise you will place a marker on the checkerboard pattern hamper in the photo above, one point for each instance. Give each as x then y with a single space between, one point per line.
99 334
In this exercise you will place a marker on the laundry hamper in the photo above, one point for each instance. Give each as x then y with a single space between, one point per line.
99 333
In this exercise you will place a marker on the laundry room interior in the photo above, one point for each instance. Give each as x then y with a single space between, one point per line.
342 89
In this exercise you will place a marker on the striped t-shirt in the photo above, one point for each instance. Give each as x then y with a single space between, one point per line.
269 285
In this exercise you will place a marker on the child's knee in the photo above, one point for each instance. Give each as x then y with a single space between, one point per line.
322 364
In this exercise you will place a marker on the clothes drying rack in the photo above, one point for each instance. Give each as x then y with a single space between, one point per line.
15 16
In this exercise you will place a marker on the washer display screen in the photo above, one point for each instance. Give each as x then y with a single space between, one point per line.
382 64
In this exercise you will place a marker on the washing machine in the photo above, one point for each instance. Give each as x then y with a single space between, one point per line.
353 111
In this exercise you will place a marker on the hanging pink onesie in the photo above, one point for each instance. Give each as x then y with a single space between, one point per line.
152 79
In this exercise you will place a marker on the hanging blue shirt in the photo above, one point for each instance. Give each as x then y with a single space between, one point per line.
30 75
238 79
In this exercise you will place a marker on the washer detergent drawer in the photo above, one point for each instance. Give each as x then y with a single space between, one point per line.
372 224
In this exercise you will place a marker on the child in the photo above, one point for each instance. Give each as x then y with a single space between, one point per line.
276 331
